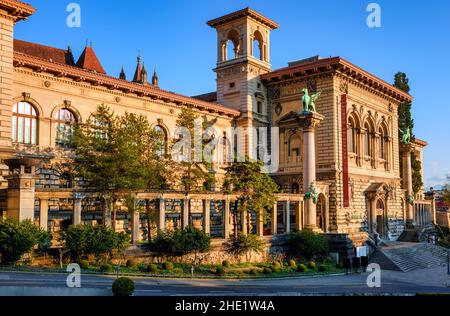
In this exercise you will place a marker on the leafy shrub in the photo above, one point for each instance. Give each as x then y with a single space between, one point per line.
311 265
18 238
277 264
275 269
323 268
99 241
106 267
340 266
84 264
293 264
244 245
152 268
267 271
168 266
181 242
308 244
226 264
301 268
131 263
123 287
220 271
254 271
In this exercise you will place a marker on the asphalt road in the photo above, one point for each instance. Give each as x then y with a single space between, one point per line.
392 283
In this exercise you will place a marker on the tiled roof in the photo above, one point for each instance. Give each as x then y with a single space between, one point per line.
208 97
48 53
99 79
89 61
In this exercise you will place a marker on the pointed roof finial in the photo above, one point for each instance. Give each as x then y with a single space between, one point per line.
155 79
123 75
87 42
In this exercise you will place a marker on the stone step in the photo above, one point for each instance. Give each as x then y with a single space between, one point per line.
410 257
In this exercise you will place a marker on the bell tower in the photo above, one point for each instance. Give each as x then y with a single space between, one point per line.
243 55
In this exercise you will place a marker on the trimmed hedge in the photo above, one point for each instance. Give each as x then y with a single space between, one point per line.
106 267
152 268
123 287
84 264
168 266
301 268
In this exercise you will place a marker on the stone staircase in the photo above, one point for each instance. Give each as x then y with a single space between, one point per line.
409 256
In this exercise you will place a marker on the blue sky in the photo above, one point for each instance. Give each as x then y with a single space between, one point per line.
173 36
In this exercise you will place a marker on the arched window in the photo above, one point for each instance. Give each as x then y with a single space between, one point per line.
380 205
294 146
381 144
162 139
24 124
367 142
225 152
232 46
258 46
351 136
64 124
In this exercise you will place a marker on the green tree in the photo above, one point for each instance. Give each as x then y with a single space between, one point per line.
18 238
406 120
244 245
119 156
417 180
192 175
256 190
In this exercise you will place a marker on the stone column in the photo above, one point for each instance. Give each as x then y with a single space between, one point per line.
109 207
407 181
274 223
244 223
226 219
43 214
260 223
135 225
288 217
77 208
309 123
186 206
21 188
162 215
207 216
299 216
373 215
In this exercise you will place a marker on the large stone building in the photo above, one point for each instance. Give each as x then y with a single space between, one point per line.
349 150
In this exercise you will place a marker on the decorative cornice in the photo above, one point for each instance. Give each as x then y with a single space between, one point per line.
16 10
337 65
247 12
96 79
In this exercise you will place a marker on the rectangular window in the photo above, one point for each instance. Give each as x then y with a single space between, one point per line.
260 107
232 85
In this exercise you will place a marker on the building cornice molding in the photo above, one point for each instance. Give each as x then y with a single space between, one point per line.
247 12
339 66
96 79
15 10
